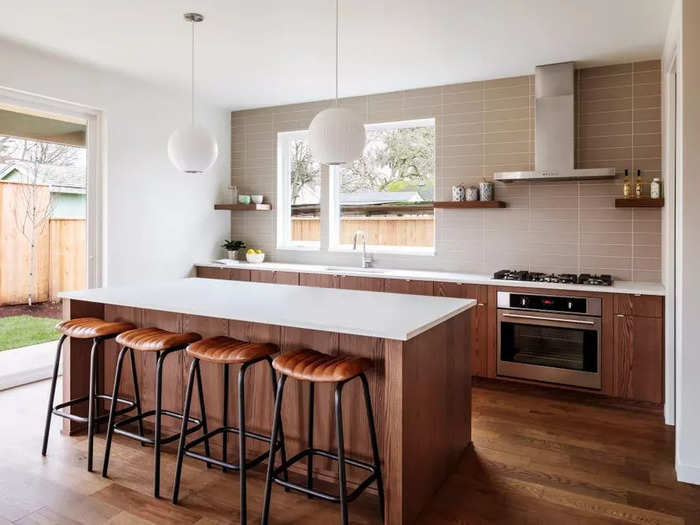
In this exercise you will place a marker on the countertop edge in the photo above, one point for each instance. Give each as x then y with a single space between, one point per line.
625 287
307 325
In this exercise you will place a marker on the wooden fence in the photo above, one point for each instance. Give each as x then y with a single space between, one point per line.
60 261
389 231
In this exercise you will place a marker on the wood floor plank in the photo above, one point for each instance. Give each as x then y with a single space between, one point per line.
538 458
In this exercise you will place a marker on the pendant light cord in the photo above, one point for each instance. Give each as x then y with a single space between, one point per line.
337 46
192 88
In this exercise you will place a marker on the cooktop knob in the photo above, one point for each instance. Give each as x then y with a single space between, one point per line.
524 301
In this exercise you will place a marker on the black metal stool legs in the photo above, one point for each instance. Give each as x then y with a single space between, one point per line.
277 419
224 418
183 431
110 423
52 395
341 454
92 392
310 438
375 446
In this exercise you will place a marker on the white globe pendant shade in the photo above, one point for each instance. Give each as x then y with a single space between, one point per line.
336 136
192 149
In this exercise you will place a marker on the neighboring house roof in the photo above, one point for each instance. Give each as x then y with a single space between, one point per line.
380 197
60 179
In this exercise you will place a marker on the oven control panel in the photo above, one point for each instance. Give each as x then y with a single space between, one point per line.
550 303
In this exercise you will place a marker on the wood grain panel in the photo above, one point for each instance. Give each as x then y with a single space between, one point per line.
238 274
370 284
267 276
319 280
639 358
639 305
408 286
207 272
479 337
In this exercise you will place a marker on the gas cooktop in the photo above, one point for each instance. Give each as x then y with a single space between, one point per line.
562 278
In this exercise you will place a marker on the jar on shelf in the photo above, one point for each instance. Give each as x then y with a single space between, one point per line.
458 193
471 193
655 189
486 191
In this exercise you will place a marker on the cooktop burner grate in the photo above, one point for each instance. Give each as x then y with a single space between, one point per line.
561 278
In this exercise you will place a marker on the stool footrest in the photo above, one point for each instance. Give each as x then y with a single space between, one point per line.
324 495
151 441
232 466
58 409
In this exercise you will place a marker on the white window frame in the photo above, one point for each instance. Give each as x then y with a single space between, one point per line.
334 244
284 201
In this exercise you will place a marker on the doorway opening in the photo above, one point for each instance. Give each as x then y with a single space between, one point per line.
43 233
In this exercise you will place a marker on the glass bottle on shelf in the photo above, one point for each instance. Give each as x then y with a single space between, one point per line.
638 185
627 187
655 192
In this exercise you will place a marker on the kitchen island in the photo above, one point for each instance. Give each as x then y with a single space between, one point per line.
420 384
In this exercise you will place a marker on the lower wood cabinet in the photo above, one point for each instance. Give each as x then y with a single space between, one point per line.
479 329
369 284
207 272
320 280
410 286
267 276
639 348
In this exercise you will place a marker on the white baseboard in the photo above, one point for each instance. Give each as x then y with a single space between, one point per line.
688 473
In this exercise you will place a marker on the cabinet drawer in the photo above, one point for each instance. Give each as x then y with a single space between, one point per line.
206 272
639 305
268 276
409 286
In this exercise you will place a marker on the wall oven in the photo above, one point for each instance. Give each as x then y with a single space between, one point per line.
554 339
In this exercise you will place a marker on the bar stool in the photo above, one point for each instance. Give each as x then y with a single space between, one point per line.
226 351
315 367
163 343
98 330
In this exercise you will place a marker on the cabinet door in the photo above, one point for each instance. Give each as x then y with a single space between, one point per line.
410 286
207 272
371 284
479 329
639 366
320 280
267 276
639 305
240 275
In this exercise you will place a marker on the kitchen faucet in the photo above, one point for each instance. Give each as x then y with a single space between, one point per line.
366 259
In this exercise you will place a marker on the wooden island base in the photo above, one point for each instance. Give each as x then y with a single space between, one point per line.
420 391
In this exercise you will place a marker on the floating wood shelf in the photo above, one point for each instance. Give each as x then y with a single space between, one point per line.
644 202
469 204
244 207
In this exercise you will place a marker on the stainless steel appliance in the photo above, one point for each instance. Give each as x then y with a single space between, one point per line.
554 130
562 278
555 339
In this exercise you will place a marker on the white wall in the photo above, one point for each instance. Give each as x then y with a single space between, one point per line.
158 221
684 37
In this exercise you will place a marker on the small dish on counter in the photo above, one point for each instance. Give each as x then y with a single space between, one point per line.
244 199
255 257
257 199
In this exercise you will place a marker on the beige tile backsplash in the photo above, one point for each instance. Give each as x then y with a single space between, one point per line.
484 127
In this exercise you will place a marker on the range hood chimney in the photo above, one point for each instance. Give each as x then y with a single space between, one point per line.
554 130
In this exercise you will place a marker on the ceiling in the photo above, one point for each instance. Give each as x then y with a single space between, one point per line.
270 52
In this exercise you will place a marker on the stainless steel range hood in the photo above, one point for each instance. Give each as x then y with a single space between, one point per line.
554 130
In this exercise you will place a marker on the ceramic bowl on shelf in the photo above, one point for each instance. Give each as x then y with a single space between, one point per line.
255 257
244 199
257 199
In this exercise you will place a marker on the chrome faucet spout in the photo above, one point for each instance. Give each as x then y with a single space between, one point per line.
366 259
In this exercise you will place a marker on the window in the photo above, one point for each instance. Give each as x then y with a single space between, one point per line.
388 193
299 193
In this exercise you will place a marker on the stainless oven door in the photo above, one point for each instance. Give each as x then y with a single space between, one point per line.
550 347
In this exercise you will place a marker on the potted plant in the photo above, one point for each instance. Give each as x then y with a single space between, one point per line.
232 248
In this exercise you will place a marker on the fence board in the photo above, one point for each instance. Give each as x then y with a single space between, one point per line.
59 258
389 231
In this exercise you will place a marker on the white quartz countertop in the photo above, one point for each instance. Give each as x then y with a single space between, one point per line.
374 314
630 287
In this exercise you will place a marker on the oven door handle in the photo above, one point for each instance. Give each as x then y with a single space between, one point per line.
539 318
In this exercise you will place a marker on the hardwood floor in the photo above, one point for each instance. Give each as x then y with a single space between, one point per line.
539 457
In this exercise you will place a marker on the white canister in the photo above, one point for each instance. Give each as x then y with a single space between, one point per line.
471 193
655 191
458 193
486 191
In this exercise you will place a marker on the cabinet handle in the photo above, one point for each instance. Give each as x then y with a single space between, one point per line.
620 315
480 304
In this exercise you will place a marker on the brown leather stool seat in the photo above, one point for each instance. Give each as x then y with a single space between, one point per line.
309 365
155 339
91 327
229 351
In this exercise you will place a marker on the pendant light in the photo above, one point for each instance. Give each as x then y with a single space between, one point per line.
336 135
191 148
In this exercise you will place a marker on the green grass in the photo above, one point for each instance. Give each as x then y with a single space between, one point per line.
24 330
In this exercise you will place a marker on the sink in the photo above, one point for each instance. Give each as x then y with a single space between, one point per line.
354 269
